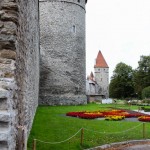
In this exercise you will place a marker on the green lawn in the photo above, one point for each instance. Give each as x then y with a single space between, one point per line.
51 125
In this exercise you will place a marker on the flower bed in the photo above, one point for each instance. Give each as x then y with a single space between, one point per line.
144 118
109 115
115 118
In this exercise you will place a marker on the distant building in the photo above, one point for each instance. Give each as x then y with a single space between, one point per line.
98 87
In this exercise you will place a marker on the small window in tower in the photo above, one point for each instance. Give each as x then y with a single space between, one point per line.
74 29
78 1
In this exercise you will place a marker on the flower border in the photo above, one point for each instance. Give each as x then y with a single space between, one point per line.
113 114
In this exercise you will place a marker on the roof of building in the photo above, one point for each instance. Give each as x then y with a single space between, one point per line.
100 61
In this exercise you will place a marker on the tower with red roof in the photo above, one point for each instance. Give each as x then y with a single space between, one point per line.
102 75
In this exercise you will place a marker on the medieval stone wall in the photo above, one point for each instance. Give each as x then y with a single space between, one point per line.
19 70
62 48
8 103
27 61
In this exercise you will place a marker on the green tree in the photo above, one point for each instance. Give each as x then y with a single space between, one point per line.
121 85
142 75
146 92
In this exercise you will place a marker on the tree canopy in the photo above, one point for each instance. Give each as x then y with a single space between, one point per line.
121 85
146 92
142 75
127 82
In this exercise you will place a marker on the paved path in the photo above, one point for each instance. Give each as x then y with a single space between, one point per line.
127 145
138 147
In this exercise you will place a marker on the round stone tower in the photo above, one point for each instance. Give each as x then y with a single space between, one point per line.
62 49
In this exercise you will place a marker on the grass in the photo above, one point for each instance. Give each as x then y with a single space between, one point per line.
51 124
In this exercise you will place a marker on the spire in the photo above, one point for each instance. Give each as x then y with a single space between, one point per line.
100 61
92 75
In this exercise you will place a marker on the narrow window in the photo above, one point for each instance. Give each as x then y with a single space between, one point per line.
74 28
78 1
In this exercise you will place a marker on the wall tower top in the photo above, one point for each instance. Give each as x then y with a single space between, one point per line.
100 61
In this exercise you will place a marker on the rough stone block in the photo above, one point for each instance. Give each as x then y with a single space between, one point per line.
4 116
7 83
3 104
9 54
7 45
4 37
8 28
1 12
1 24
3 136
3 93
9 5
8 16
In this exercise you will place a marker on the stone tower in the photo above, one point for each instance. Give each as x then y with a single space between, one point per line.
102 75
62 49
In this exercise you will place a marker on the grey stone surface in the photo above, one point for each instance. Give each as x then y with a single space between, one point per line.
138 147
62 49
4 116
27 63
102 79
63 100
8 112
4 136
126 145
3 94
19 37
63 62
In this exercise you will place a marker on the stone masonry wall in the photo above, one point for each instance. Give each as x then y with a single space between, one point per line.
102 79
27 61
8 103
62 49
19 71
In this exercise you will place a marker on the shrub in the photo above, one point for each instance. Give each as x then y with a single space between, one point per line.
146 92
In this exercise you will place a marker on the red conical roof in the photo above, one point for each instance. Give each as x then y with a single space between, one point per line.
100 61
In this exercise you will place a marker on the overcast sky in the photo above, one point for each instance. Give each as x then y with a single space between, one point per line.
120 29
